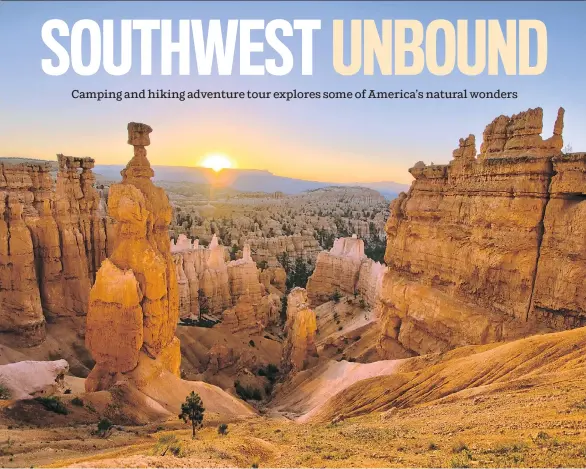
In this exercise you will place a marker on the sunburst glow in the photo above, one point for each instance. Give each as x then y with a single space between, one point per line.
217 162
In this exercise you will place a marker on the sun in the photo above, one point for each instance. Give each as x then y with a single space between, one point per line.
217 162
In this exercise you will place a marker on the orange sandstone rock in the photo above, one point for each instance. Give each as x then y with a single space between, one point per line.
301 326
345 269
488 248
134 305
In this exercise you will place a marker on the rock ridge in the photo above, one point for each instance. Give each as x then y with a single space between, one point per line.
488 247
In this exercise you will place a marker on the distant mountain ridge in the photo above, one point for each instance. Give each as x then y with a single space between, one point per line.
247 180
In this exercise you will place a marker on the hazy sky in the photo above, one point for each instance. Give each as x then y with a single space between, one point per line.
338 141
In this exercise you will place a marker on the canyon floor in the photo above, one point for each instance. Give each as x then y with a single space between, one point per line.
516 404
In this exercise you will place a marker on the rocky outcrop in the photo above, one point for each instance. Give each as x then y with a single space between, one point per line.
264 249
274 276
214 282
52 240
244 278
233 290
559 292
345 269
82 235
300 350
520 135
134 306
28 379
21 313
487 248
252 317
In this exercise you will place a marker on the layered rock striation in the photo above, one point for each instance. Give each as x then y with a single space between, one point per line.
488 247
52 240
345 269
134 303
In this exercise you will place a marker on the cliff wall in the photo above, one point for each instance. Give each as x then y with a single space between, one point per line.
52 240
488 247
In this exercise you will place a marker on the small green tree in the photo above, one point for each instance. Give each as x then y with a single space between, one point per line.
283 312
104 428
192 410
336 296
204 307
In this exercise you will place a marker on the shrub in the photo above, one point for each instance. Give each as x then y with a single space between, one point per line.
76 401
336 297
67 391
223 429
460 460
177 449
459 447
247 392
169 443
104 428
251 343
270 372
462 455
432 446
5 393
542 436
53 404
89 406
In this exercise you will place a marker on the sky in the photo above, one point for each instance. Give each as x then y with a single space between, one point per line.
335 141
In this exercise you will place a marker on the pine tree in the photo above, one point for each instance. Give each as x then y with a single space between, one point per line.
192 410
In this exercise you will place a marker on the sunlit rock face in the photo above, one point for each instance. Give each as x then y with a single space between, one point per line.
232 290
490 247
345 269
301 326
52 240
134 303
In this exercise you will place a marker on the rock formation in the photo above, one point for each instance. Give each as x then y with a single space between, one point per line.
82 233
244 278
520 135
559 293
252 317
21 313
345 269
301 326
233 290
52 240
134 306
488 248
214 283
274 276
28 379
305 247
